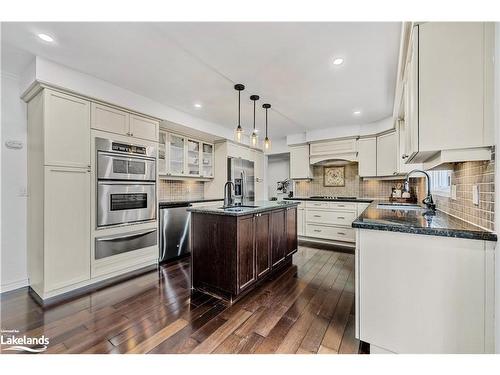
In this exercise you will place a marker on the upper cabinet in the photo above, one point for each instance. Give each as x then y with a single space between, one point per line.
387 154
299 162
378 156
367 157
67 130
180 156
448 91
116 121
337 149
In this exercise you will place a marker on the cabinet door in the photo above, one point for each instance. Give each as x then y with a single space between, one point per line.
193 157
299 162
258 158
110 119
207 160
291 230
367 157
67 226
162 153
387 154
246 252
262 243
67 130
141 127
278 236
176 155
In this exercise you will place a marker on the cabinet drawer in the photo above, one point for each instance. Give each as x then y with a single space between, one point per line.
331 217
330 232
313 204
344 205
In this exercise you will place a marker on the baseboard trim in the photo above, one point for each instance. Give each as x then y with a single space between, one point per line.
4 288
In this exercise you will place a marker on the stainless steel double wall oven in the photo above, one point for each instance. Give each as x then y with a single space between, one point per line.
126 183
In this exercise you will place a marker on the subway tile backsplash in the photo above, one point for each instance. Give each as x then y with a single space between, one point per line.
172 190
464 176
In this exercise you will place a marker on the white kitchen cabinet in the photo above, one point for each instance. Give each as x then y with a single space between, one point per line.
334 147
367 157
113 120
67 130
424 294
299 162
66 230
58 209
449 93
387 145
183 157
144 128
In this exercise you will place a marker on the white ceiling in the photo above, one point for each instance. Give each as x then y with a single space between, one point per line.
178 64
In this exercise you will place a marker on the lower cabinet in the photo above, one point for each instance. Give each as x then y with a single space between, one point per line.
278 236
262 243
230 254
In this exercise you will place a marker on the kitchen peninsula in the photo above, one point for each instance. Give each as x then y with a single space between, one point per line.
234 249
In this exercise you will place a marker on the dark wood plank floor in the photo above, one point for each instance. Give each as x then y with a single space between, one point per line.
307 309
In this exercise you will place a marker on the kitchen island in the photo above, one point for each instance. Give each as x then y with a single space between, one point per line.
234 249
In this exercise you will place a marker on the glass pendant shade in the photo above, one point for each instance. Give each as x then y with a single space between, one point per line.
239 133
255 139
267 144
239 130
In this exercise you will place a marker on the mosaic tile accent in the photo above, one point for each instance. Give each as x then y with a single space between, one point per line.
464 175
172 190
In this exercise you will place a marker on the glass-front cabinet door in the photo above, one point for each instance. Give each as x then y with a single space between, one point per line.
207 160
193 158
162 154
176 154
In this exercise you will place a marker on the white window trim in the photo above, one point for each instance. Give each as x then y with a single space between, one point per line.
442 190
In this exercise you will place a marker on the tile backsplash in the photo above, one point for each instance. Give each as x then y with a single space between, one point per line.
172 190
464 176
354 185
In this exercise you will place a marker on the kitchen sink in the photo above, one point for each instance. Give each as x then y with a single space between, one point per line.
400 206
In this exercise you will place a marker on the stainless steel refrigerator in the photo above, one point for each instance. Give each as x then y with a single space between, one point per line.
241 173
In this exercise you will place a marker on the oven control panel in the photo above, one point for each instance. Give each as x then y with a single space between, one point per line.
131 149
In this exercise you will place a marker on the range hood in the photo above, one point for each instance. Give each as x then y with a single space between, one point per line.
334 158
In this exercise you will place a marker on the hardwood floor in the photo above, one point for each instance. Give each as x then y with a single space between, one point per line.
307 309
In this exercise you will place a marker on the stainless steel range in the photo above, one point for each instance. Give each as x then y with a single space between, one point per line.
126 183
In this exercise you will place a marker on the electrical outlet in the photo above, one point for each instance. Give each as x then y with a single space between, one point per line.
475 195
454 192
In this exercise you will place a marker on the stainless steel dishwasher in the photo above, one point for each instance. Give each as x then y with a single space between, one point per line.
174 231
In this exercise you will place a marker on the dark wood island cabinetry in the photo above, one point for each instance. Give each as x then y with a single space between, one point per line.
232 251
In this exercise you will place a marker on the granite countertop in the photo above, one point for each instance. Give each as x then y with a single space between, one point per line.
414 221
167 204
359 200
260 206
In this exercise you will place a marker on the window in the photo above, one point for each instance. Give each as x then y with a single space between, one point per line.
441 182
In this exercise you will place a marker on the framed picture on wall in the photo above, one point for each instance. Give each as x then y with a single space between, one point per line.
334 176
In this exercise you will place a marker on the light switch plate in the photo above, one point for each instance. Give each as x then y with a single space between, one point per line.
475 195
454 192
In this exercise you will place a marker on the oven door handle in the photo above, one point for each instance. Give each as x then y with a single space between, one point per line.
125 156
128 182
130 235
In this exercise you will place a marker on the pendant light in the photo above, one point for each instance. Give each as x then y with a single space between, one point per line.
267 141
254 133
239 130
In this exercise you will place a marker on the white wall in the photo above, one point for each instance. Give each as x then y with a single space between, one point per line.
14 164
497 190
278 169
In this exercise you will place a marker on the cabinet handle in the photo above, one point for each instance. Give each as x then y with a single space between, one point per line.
317 215
394 173
405 156
341 233
317 230
341 205
341 217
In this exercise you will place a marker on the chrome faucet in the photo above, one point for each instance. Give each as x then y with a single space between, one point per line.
228 194
428 201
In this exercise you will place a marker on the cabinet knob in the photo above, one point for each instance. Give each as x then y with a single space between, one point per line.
405 156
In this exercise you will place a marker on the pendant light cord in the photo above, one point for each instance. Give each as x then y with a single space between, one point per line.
239 110
266 122
254 116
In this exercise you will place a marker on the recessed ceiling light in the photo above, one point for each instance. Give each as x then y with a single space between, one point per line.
197 105
46 38
356 113
338 61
